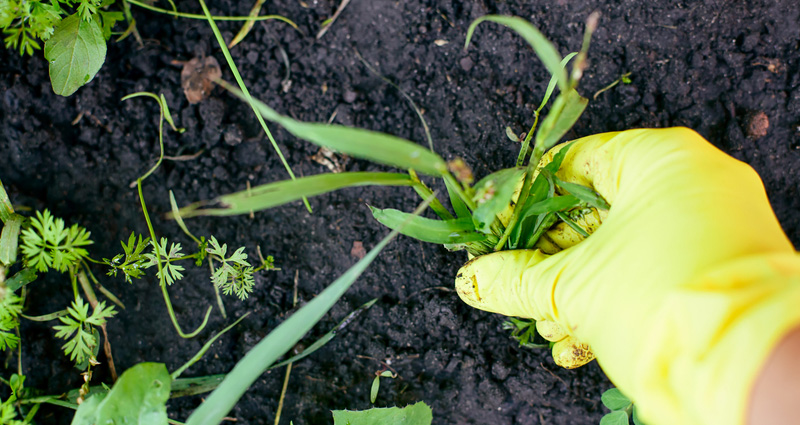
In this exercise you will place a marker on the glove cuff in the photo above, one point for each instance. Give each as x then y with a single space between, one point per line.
711 340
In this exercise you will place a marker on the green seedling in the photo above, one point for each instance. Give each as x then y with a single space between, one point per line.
376 383
624 79
524 331
622 409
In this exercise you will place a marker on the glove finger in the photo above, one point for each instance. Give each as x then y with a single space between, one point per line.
503 282
570 353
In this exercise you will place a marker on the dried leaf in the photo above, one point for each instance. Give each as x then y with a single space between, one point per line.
197 78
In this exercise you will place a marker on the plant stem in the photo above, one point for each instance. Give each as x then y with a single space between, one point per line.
161 282
205 348
246 92
216 18
523 152
459 190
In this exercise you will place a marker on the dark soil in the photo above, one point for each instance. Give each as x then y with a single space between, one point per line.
711 66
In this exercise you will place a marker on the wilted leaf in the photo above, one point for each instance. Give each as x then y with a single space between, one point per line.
197 78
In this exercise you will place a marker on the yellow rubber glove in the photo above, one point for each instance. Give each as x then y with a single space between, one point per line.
681 293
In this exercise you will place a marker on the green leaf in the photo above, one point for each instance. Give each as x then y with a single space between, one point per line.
76 51
138 397
21 278
619 417
541 45
366 144
429 230
461 209
551 86
278 342
319 343
282 192
614 399
6 209
373 392
566 110
583 193
183 387
9 239
416 414
493 194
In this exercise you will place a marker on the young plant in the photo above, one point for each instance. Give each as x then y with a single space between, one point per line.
622 409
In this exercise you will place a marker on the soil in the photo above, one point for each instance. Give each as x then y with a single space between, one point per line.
710 66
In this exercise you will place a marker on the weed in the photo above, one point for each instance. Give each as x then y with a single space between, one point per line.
622 409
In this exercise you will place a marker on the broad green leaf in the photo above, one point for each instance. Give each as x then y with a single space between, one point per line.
566 110
5 204
138 397
614 399
455 231
619 417
372 145
282 192
21 278
416 414
493 194
9 239
278 342
461 209
584 193
76 51
541 45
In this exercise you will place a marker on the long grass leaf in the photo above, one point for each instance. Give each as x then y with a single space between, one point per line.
541 45
584 194
5 204
282 192
567 108
245 92
366 144
461 209
319 343
278 342
428 230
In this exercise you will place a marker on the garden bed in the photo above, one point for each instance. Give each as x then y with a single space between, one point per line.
694 64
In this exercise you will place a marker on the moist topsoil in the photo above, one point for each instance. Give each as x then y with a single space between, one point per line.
712 66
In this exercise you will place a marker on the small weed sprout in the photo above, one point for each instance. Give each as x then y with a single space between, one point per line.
78 329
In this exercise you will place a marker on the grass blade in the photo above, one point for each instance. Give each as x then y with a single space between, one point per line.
245 92
493 194
366 144
567 108
584 193
5 204
541 45
455 231
279 341
9 239
328 336
461 209
282 192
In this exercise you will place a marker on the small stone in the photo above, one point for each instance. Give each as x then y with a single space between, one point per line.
757 125
350 96
233 135
466 63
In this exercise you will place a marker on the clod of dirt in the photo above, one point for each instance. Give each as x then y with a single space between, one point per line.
197 78
358 250
757 124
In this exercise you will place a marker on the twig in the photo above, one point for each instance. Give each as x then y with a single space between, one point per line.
324 29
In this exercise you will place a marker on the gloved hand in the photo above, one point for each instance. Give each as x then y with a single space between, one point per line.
684 289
